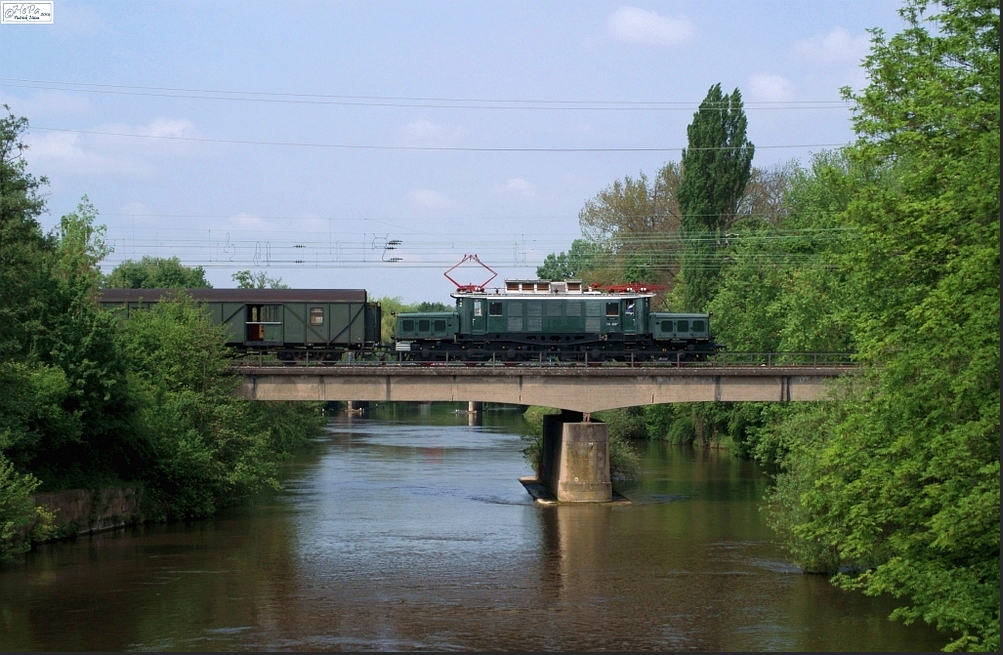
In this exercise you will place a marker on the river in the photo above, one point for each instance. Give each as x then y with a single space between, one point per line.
407 529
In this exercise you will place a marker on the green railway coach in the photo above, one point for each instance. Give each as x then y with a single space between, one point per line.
293 323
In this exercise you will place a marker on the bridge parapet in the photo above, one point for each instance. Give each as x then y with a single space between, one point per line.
583 389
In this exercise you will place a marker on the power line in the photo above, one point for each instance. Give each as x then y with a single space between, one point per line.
402 101
353 146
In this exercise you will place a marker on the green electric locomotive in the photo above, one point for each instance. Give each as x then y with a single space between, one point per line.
543 320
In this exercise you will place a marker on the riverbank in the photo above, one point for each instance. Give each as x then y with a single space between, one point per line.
86 511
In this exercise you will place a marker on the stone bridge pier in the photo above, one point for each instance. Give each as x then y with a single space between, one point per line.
575 462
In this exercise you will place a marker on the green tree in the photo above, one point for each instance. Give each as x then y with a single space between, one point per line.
901 481
202 452
24 278
79 341
631 224
780 288
156 273
260 280
18 513
571 265
717 165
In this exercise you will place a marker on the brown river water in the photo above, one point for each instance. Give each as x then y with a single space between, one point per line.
408 529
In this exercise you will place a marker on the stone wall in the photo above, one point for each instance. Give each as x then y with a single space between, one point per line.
81 511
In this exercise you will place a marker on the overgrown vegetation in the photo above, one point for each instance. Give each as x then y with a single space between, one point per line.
888 249
89 400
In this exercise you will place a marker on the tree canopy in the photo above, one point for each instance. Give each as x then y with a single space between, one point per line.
156 273
717 164
901 481
260 280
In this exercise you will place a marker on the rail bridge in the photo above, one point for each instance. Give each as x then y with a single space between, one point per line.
574 388
576 449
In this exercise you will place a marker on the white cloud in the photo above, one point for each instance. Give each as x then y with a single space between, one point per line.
422 128
429 199
246 221
633 25
836 47
72 152
115 149
136 209
518 187
45 103
770 87
313 223
423 131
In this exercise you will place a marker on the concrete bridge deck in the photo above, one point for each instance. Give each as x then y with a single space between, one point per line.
577 388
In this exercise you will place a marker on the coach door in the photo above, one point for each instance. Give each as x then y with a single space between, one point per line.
264 325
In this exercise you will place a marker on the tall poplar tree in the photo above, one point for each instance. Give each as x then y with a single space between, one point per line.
717 164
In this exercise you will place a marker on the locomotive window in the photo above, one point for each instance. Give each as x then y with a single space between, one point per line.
666 326
423 325
407 325
440 325
612 309
629 311
494 309
478 308
553 309
316 316
683 326
699 326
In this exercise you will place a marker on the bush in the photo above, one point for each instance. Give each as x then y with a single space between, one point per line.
21 522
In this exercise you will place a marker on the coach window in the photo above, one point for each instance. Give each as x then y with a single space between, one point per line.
316 316
407 325
612 309
494 309
699 326
682 326
423 325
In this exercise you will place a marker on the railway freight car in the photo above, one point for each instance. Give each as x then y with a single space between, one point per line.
314 324
543 320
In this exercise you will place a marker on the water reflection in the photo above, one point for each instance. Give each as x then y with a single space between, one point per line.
408 530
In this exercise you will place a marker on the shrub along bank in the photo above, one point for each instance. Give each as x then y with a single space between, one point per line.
89 401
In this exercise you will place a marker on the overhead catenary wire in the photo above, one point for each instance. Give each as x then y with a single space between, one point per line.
372 146
437 102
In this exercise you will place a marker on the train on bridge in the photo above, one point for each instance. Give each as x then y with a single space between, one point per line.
526 320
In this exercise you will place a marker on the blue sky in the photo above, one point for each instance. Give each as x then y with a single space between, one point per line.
303 138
